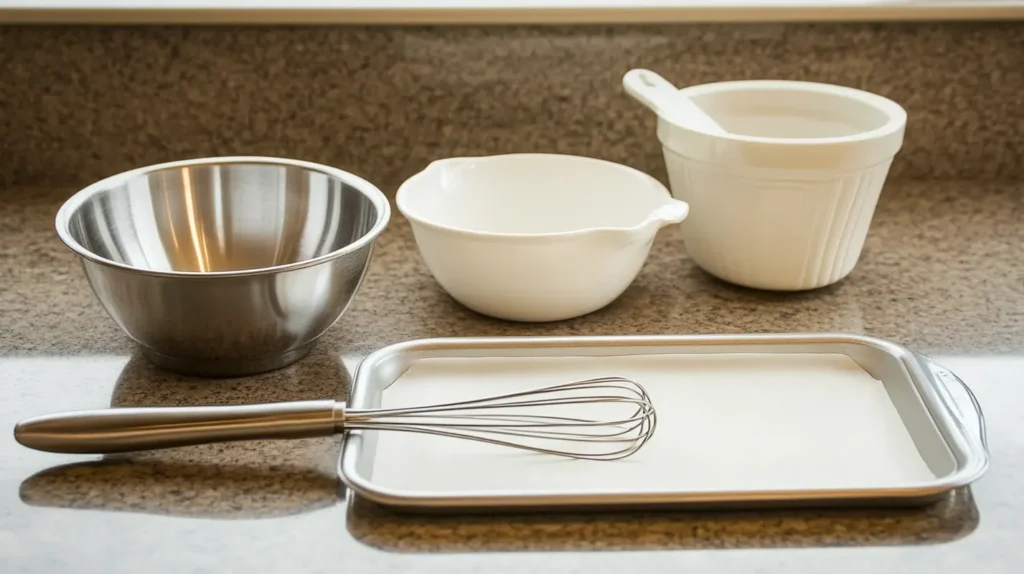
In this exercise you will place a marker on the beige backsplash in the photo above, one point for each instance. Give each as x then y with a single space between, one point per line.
78 103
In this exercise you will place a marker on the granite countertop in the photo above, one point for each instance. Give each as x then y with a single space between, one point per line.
941 272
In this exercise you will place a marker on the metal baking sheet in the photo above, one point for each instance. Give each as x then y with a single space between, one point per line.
744 421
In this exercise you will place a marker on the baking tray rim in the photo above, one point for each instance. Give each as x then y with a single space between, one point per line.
919 367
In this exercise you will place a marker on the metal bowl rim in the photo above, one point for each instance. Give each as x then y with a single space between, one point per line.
369 190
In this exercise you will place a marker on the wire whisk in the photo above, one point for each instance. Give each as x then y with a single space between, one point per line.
604 418
627 420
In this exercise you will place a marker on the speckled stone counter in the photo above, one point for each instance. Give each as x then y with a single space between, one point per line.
942 272
80 103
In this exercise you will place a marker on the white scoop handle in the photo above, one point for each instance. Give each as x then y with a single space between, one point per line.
664 99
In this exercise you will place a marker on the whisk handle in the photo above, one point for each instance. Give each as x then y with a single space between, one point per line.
131 429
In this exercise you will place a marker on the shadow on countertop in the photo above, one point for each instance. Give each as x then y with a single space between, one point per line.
182 489
951 518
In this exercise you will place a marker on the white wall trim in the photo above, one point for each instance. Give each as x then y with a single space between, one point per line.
407 12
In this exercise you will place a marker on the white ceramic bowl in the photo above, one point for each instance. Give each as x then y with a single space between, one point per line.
784 200
535 237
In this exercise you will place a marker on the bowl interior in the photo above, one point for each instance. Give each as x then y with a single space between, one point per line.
221 217
531 194
796 110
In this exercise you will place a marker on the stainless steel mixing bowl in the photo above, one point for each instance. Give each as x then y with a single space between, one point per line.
225 266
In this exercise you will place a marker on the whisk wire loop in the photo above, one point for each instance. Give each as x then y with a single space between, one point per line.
609 436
